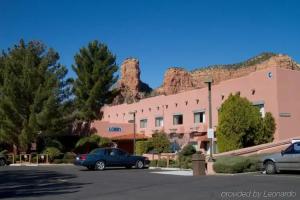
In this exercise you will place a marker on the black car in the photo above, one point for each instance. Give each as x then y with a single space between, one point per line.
101 158
3 160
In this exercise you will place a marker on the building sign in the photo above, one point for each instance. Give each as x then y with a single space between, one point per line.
114 129
210 133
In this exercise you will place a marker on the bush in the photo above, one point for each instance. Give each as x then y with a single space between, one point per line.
142 147
105 142
153 163
57 161
87 144
159 142
163 163
52 152
4 152
240 125
174 163
70 156
185 156
235 164
188 150
54 143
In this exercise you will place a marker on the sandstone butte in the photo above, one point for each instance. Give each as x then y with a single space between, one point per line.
177 79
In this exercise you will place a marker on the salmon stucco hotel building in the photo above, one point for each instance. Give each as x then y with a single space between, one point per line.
184 116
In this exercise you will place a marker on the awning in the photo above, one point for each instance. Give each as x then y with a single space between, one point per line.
129 137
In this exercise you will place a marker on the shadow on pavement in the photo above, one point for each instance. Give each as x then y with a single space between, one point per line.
288 172
116 169
26 183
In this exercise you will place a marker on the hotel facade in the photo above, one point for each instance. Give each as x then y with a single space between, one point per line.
184 116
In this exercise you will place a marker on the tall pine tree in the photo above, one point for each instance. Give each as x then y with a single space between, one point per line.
33 94
95 67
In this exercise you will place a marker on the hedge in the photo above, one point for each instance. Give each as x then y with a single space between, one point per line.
235 164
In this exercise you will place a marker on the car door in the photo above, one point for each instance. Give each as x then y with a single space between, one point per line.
296 156
287 160
115 157
111 157
121 156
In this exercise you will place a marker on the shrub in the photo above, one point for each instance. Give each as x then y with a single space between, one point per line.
105 142
174 163
153 163
70 156
4 152
163 163
188 150
52 153
141 147
240 125
235 164
54 143
57 161
87 144
185 156
159 142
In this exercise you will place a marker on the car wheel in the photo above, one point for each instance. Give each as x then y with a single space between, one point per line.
100 165
139 164
270 167
2 162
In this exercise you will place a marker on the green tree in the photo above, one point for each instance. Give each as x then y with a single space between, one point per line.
33 94
95 67
159 142
268 129
88 143
240 123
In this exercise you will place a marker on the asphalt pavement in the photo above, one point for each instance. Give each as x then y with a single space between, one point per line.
70 182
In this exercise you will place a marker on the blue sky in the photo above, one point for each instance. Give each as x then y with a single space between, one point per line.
160 33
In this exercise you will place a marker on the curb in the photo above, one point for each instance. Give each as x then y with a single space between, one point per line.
237 174
170 169
38 165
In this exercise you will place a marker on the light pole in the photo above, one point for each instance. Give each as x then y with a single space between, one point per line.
134 130
209 81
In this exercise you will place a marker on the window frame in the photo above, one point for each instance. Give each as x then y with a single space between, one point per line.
177 115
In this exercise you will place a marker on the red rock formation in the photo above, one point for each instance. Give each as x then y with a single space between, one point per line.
131 88
178 79
130 75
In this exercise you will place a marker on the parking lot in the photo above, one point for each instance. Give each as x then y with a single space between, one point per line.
70 182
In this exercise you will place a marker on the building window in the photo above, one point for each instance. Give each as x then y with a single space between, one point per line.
143 123
186 103
176 104
261 108
159 121
157 107
166 106
177 119
222 96
197 101
149 109
199 117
